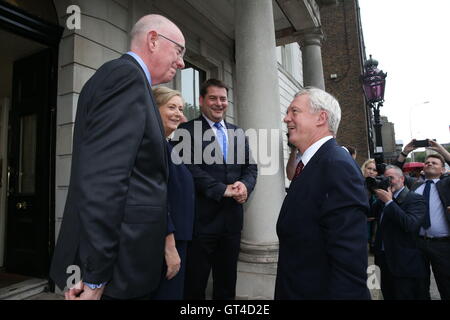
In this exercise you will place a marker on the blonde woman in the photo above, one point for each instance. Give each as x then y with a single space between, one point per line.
180 200
369 169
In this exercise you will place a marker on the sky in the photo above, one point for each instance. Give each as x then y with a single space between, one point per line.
411 41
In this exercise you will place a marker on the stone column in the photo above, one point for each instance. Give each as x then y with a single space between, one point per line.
311 44
259 108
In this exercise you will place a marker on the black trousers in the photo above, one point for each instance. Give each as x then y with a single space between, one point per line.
437 253
218 253
399 288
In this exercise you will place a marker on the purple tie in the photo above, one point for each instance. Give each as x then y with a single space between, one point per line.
299 169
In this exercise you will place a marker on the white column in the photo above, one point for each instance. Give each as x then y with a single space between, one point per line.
259 108
311 44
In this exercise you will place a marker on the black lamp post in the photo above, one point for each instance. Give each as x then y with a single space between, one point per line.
374 81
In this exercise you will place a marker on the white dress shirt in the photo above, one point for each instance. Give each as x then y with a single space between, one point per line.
439 226
311 151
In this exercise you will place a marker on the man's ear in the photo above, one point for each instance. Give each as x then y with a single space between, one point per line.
152 36
323 118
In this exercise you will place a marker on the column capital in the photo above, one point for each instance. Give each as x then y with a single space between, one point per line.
310 37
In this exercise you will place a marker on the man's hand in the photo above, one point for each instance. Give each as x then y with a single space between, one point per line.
440 149
230 192
83 292
409 147
172 257
383 195
241 192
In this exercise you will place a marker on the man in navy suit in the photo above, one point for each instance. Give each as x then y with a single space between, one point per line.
223 183
400 214
322 224
115 218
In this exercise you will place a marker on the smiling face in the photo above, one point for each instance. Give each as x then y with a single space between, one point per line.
304 126
214 104
171 114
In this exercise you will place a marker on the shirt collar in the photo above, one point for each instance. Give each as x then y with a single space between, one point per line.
211 123
398 192
142 64
311 151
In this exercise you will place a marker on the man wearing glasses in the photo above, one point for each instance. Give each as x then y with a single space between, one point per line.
115 219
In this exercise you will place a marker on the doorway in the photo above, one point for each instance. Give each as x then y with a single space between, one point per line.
28 64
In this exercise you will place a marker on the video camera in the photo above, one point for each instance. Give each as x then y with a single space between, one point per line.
380 182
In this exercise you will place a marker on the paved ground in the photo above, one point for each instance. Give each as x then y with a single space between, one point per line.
434 293
376 294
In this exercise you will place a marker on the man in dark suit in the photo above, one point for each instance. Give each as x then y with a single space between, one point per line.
434 236
399 213
322 224
223 181
115 219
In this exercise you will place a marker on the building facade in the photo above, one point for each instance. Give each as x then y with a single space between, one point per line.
343 54
264 50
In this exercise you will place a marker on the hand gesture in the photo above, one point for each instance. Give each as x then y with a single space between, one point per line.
384 195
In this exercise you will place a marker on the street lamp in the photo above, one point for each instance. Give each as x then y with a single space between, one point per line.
374 81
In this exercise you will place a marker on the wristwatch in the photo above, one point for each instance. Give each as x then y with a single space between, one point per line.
403 154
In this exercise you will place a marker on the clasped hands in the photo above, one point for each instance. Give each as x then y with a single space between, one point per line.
237 191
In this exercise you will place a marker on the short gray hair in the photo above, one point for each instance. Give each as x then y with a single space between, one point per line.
321 100
396 169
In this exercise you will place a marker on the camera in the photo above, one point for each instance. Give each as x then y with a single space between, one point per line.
421 143
380 182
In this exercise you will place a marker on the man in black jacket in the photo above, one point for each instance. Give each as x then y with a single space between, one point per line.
400 214
224 178
115 218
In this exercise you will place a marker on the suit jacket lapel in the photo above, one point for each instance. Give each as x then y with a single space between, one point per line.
154 107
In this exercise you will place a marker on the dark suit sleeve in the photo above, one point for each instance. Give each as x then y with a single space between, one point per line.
343 221
112 134
410 218
206 184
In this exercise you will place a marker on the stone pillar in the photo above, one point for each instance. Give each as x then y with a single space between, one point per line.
259 108
311 44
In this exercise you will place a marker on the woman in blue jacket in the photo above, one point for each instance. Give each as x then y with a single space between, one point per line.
181 195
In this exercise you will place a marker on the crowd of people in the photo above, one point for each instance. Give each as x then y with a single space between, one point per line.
141 223
408 221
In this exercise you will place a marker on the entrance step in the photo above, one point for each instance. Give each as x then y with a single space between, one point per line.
24 289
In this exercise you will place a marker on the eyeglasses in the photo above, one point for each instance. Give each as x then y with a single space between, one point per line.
182 50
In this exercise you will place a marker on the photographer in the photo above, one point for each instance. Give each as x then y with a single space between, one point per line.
415 144
400 214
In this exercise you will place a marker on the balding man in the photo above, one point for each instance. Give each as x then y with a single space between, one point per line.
322 224
115 219
400 213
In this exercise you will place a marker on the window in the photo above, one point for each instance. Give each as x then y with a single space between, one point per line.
191 79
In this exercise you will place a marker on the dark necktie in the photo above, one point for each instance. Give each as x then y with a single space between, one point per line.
426 194
299 169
